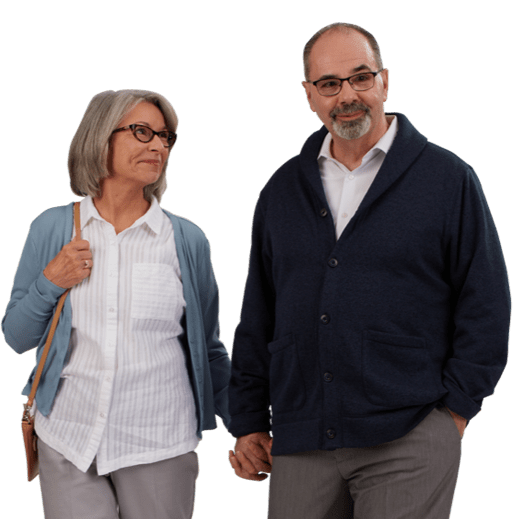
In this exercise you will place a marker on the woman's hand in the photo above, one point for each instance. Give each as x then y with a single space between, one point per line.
71 266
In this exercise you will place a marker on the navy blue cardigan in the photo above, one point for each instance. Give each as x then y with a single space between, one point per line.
353 342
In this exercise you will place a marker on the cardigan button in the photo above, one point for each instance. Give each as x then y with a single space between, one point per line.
325 319
323 212
328 377
333 262
330 433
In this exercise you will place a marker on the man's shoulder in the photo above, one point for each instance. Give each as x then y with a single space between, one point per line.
281 182
437 153
430 154
420 158
435 167
305 160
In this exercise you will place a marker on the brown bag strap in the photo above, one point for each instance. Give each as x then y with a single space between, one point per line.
53 327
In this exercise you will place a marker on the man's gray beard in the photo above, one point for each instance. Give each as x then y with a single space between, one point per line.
351 130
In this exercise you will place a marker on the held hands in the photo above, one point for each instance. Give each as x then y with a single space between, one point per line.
252 456
71 266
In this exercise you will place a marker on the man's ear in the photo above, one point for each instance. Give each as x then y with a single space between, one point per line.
308 88
384 76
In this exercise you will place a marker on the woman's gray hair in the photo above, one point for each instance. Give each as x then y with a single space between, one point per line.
89 150
340 27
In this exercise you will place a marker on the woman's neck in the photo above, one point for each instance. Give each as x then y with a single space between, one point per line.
119 207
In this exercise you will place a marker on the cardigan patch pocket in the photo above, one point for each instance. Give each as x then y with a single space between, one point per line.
397 370
157 295
286 382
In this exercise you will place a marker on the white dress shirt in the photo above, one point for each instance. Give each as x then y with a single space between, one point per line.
345 189
125 395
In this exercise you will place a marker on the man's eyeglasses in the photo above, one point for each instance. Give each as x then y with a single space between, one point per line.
145 134
333 85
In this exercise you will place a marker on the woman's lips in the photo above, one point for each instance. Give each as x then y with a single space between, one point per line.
152 162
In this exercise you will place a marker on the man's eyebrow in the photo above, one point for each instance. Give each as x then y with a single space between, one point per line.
360 68
328 76
354 71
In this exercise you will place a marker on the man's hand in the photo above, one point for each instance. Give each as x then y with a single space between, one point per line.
460 422
252 456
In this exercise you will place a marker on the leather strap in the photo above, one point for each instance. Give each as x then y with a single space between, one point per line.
53 327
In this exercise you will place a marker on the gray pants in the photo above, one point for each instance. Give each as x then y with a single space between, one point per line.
162 490
410 478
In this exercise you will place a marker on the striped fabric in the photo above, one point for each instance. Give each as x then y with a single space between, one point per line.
125 395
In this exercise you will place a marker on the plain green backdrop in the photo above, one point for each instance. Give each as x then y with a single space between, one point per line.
233 72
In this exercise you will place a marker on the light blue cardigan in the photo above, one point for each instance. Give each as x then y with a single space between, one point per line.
33 299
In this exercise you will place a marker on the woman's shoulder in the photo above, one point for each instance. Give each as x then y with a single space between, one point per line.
187 229
53 219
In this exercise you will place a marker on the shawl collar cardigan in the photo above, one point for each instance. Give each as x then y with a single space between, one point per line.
352 342
33 300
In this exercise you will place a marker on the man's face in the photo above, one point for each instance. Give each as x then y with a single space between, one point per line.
349 114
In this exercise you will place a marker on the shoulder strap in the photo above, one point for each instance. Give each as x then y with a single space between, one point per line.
55 321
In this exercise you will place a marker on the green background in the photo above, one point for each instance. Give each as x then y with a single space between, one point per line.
233 73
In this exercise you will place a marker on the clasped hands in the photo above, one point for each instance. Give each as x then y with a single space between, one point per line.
252 457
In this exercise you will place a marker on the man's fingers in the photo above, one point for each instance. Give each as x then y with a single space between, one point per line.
268 446
260 455
246 464
241 472
259 465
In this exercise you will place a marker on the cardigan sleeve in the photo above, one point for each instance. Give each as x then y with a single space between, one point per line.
219 361
33 299
249 384
481 302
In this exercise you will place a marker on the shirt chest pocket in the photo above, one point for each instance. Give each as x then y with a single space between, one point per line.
157 294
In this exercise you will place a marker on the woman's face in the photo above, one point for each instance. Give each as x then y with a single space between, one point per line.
135 162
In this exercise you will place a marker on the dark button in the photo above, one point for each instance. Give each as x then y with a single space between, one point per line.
333 262
325 319
328 377
330 433
323 212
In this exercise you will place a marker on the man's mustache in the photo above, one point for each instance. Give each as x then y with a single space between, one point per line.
348 109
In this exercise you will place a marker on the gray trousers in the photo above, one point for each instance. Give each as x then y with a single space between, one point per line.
162 490
410 478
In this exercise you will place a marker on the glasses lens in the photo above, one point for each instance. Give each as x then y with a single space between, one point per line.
329 87
142 133
167 138
362 81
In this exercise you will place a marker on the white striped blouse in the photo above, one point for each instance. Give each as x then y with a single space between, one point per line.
125 395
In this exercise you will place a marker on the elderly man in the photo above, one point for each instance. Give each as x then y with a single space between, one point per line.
376 311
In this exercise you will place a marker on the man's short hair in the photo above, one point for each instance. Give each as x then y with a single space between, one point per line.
340 27
89 150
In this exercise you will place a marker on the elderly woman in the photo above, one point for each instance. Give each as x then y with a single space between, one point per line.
136 370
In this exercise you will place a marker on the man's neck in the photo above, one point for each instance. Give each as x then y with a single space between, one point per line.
351 152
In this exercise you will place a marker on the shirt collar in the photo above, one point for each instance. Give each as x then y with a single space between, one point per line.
153 218
383 144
